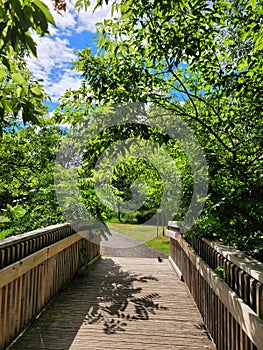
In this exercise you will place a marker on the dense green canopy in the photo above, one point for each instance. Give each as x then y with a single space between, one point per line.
202 61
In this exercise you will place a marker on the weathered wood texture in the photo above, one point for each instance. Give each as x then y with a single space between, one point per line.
242 274
34 270
123 303
232 306
14 248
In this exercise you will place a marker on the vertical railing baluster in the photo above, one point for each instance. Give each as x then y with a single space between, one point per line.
226 331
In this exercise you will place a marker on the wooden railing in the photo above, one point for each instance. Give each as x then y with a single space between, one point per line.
227 287
34 266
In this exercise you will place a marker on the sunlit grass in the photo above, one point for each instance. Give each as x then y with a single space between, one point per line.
161 243
140 232
144 233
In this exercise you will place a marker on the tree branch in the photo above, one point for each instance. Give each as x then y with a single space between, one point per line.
196 117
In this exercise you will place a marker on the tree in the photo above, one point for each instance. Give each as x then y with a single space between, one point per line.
27 152
27 193
123 163
21 94
202 61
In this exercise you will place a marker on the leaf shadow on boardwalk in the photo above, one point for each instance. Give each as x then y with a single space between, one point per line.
108 298
118 303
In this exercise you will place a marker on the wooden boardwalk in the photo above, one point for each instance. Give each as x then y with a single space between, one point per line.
123 303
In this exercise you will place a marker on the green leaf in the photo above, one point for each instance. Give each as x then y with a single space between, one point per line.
84 3
31 45
251 3
3 73
36 91
18 78
43 7
19 91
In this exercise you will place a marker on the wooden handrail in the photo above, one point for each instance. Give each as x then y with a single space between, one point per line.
251 266
231 306
19 268
6 242
46 262
15 248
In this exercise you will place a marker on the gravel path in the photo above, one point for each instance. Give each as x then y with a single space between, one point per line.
119 245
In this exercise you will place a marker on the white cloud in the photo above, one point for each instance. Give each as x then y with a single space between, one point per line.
87 20
79 21
69 80
53 66
52 52
55 55
67 20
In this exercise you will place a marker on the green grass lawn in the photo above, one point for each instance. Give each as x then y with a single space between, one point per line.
161 243
143 233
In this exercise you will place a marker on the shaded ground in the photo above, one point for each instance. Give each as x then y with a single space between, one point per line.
123 246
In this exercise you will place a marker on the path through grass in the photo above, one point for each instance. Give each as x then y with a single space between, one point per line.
143 233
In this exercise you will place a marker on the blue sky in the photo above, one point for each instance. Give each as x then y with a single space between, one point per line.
74 30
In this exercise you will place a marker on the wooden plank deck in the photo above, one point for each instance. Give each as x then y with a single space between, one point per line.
132 303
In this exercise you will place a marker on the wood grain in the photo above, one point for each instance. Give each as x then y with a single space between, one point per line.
132 303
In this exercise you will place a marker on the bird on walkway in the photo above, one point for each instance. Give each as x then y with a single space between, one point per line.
160 259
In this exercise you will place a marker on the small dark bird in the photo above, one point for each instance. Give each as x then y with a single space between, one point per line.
160 259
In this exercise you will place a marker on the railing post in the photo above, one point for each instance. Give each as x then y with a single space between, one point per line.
34 266
228 289
176 255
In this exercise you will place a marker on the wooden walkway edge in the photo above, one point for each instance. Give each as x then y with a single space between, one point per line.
123 303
